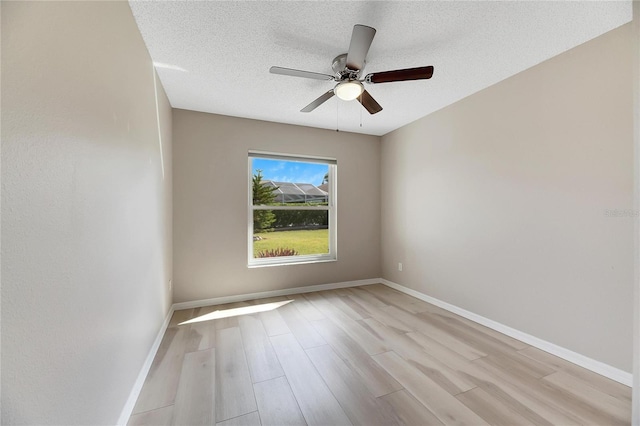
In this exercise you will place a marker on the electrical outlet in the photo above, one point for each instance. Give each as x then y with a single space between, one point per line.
170 285
399 266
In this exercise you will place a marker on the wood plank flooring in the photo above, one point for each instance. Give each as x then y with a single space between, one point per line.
364 356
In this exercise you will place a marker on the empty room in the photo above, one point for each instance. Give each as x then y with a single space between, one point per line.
320 213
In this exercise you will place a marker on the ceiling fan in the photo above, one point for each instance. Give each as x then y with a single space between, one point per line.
348 69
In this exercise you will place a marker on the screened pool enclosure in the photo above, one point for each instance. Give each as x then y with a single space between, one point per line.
289 192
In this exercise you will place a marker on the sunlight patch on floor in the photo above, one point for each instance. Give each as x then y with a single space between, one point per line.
245 310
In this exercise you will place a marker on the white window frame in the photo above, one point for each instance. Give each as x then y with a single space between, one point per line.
331 208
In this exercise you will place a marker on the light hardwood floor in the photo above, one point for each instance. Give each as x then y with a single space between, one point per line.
365 356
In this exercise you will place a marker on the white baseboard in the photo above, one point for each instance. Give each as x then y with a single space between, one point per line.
272 293
598 367
142 375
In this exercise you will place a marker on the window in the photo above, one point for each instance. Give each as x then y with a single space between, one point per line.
292 209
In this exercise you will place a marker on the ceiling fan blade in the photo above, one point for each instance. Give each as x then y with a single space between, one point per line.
315 104
299 73
369 103
420 73
361 39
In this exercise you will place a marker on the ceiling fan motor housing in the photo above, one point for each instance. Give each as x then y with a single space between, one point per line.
339 66
339 63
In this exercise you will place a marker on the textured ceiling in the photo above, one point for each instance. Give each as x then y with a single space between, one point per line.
215 56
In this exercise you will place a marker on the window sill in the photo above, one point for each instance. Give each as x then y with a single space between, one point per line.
291 262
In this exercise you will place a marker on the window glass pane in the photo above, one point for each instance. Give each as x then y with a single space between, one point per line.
290 233
289 182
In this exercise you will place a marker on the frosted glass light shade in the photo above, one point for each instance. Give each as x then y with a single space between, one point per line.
349 90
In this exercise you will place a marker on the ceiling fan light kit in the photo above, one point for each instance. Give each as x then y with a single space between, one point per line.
348 69
348 90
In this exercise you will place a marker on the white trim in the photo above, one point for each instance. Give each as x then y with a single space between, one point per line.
290 261
127 410
292 157
272 293
281 207
331 210
598 367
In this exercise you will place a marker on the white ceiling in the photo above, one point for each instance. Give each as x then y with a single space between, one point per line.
215 56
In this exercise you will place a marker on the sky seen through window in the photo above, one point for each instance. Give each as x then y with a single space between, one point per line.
290 171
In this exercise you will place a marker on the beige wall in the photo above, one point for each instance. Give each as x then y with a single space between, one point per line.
635 418
497 204
86 218
210 205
